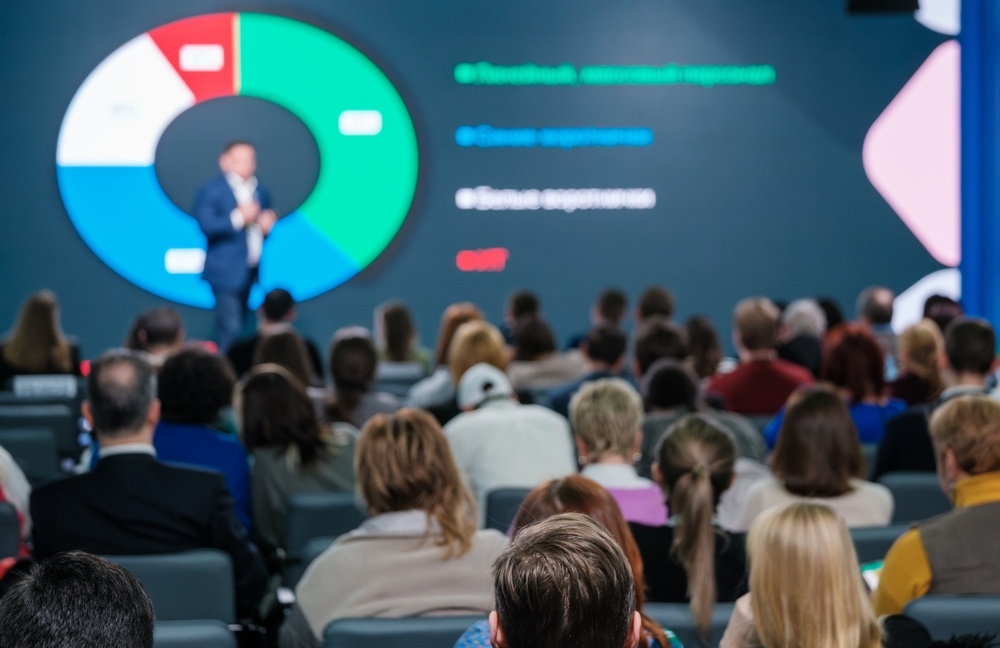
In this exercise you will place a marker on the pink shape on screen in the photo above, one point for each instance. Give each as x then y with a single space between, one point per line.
911 154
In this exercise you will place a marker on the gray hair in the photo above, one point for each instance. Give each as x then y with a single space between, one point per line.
804 317
121 386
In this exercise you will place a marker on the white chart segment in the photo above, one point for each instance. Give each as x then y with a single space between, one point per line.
118 114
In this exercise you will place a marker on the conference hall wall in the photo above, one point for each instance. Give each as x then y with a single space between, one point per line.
445 150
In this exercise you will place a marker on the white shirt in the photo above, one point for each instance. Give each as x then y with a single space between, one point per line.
868 504
244 191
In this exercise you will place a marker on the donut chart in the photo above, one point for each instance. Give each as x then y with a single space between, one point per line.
107 146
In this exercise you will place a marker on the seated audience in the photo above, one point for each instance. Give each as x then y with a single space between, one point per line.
288 349
692 559
536 363
970 353
604 354
610 308
655 301
806 589
159 332
706 352
195 386
77 599
397 337
36 344
353 362
132 503
606 416
942 310
292 451
818 457
875 314
521 303
438 388
958 552
419 553
853 365
803 325
832 311
655 339
920 352
499 443
761 383
535 608
275 315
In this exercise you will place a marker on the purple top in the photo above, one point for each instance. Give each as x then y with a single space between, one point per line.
642 505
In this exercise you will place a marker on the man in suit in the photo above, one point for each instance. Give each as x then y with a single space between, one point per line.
131 503
234 213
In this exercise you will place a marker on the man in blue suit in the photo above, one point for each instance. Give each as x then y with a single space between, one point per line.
234 213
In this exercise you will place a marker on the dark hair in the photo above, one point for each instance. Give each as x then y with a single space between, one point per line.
875 304
669 384
522 303
706 352
656 337
832 311
854 361
353 362
611 305
970 345
277 304
942 310
231 144
604 343
564 581
194 385
153 327
533 338
120 401
276 412
288 349
76 599
817 451
656 300
397 330
697 460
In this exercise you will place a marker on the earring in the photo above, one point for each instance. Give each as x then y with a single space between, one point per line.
581 460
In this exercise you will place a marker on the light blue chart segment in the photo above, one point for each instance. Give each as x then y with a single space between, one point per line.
301 259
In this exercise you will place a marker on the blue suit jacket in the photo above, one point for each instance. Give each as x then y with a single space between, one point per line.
226 252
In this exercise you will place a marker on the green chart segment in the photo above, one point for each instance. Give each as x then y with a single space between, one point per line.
366 140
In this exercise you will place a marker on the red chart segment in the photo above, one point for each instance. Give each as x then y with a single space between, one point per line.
203 52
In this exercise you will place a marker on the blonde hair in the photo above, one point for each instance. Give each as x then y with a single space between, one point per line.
606 415
37 344
970 427
453 317
474 342
921 345
403 462
805 583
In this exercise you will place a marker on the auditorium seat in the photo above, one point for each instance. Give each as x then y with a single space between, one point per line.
917 496
677 618
872 543
316 515
396 378
10 535
61 418
35 452
193 634
502 506
413 632
945 616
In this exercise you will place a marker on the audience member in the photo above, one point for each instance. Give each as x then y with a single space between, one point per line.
292 452
832 311
275 315
958 552
611 308
970 352
397 336
803 325
521 303
419 553
16 491
604 353
655 339
131 503
195 387
654 301
818 456
920 353
853 365
36 344
499 443
353 363
536 363
942 310
288 349
76 599
606 416
874 312
159 332
692 559
438 388
805 585
706 352
761 382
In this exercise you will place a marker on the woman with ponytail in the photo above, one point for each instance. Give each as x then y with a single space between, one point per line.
692 559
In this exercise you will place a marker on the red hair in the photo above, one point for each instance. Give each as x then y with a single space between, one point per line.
853 361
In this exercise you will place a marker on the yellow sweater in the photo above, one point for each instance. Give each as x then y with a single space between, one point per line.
906 574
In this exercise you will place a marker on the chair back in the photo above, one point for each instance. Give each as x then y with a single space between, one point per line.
917 496
60 418
10 531
34 451
502 506
872 543
944 616
676 617
396 378
202 633
413 632
188 585
316 515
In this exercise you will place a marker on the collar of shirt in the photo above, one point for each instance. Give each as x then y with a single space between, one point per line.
128 448
978 489
398 523
242 188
